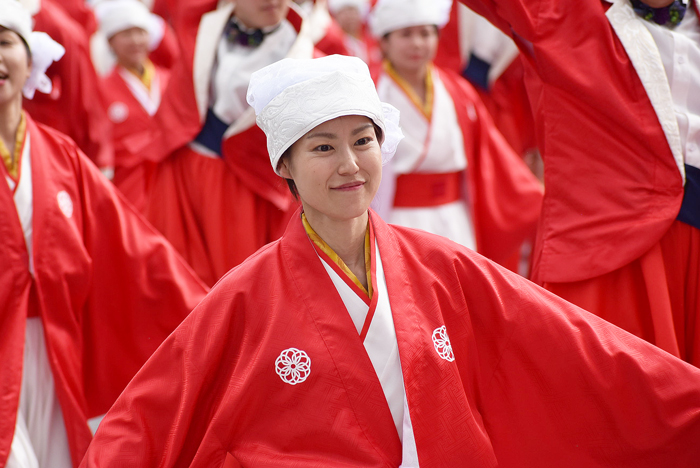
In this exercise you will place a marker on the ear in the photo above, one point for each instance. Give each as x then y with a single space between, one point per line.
283 168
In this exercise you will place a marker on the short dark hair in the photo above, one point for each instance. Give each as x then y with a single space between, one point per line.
288 154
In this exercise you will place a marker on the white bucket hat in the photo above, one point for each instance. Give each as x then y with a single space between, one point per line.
293 96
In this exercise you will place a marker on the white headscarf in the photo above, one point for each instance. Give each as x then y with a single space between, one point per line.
44 50
293 96
392 15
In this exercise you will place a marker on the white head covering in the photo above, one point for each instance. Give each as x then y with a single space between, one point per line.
391 15
44 50
115 16
15 17
334 6
293 96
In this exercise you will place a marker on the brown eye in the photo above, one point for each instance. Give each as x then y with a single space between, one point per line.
323 148
363 141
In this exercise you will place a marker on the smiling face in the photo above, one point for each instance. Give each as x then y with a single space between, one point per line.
15 67
130 47
410 49
261 13
336 167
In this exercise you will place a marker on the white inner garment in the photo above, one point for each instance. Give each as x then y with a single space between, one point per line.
680 53
383 350
40 439
148 98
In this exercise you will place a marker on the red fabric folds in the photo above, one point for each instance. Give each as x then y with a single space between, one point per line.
535 381
109 287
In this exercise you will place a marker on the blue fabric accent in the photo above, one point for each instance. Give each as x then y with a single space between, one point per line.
212 132
690 209
477 72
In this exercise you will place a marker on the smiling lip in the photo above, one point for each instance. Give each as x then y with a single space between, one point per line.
350 186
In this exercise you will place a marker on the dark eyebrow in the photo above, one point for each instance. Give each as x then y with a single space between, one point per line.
361 129
330 136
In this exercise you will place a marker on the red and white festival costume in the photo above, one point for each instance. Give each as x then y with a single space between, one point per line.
471 46
74 106
131 106
619 231
476 365
89 292
216 197
453 173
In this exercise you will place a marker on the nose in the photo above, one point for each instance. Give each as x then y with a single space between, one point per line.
348 161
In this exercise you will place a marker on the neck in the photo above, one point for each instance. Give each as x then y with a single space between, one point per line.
10 116
415 78
138 68
346 238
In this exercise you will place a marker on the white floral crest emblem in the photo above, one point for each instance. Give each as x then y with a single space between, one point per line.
293 366
442 344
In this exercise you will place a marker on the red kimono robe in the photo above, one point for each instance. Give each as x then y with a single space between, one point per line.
615 167
601 211
74 106
515 378
106 286
132 119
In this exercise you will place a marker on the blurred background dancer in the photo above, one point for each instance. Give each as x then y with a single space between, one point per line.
453 174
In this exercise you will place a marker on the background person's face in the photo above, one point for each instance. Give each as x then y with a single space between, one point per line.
130 47
261 13
410 48
350 20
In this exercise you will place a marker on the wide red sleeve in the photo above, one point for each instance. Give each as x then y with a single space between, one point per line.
554 385
566 388
141 290
162 417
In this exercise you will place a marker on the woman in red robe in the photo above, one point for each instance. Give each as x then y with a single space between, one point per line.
88 289
350 342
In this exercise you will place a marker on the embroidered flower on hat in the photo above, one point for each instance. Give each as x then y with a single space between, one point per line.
442 344
293 366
